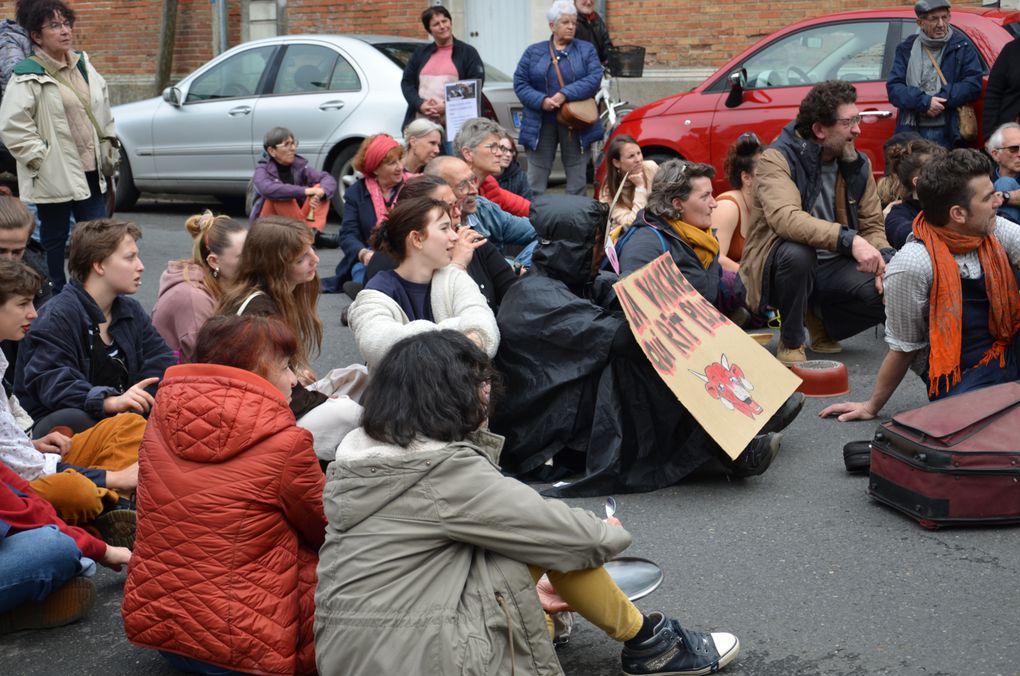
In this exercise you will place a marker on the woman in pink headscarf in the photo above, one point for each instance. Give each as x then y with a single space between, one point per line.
366 203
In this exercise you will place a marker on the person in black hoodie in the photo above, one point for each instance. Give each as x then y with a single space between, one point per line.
579 390
513 177
907 160
592 28
1002 97
446 59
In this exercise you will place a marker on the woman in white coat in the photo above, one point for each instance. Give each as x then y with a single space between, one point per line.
426 292
55 117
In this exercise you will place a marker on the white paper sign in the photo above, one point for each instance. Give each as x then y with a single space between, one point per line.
463 102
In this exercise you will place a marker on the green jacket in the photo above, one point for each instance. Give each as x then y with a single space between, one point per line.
425 565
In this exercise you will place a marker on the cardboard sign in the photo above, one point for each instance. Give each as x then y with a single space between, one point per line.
730 383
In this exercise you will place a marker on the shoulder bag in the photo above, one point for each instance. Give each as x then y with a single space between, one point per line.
109 146
575 115
968 118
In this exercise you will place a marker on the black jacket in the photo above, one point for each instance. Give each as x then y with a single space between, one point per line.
1002 97
35 258
578 387
465 59
596 32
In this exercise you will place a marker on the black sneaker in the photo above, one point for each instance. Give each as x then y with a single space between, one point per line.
785 415
758 455
352 289
117 527
675 650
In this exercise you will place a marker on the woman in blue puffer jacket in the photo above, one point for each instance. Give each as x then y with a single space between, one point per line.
538 87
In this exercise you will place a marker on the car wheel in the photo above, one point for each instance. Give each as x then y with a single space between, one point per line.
661 157
342 169
126 194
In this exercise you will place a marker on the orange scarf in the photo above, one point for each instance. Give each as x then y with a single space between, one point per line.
945 307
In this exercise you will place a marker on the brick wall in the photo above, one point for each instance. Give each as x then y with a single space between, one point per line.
122 36
700 33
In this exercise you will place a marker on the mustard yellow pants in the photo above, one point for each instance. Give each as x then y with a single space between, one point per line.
593 594
111 444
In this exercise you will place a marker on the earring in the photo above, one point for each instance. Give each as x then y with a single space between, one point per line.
215 273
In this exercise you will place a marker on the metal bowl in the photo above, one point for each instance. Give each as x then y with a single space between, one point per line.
636 577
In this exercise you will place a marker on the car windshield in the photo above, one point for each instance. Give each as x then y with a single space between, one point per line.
400 53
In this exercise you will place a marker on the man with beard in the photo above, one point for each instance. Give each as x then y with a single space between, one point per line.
934 73
816 246
941 319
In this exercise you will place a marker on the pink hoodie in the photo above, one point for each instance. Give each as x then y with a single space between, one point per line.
182 307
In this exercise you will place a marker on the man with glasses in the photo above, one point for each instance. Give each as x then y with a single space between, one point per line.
479 143
816 247
1004 147
934 73
478 213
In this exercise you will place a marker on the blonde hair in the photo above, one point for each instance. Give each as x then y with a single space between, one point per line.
211 235
273 244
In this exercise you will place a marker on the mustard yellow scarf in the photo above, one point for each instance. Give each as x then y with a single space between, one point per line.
704 243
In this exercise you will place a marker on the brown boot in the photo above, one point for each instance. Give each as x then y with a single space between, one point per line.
790 356
68 604
820 341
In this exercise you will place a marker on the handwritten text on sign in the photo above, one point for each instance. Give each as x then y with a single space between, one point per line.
721 375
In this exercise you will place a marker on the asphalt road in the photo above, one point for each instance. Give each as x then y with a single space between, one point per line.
809 573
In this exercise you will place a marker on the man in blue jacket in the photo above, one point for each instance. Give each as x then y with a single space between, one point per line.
927 95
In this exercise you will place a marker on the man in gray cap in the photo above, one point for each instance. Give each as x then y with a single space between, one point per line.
928 95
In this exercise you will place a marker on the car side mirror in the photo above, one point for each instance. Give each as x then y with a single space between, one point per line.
736 95
172 95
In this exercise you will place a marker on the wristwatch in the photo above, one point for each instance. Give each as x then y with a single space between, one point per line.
1005 196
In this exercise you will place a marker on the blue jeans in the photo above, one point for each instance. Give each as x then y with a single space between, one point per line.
35 563
193 666
936 134
55 224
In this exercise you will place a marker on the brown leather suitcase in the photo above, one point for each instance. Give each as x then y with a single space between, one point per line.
953 462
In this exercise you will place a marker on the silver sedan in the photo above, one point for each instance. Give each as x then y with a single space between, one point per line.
204 135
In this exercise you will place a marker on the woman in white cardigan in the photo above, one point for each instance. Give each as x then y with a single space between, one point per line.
426 292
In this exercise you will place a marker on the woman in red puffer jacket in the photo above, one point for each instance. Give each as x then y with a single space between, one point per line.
230 516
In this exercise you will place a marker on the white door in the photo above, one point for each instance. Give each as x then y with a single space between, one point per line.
500 31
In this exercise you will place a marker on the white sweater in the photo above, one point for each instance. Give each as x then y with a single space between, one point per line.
457 303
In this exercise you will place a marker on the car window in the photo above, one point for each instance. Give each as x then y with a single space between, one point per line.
311 68
851 51
236 76
345 78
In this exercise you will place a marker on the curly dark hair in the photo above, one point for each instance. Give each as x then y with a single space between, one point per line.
907 159
32 15
429 386
822 104
945 182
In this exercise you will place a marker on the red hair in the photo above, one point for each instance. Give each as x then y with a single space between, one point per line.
248 342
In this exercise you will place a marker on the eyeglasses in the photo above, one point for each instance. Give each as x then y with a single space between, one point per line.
60 25
466 184
287 144
495 148
850 121
507 150
1012 149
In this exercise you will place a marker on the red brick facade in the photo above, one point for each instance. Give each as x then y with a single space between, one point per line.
122 36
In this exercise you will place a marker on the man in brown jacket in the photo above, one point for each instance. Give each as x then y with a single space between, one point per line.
816 247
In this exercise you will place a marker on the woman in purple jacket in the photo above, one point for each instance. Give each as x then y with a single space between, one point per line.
286 185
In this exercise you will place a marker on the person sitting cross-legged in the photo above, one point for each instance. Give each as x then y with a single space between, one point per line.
82 475
93 352
952 305
1004 147
430 548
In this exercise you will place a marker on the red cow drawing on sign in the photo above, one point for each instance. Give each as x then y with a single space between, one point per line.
728 384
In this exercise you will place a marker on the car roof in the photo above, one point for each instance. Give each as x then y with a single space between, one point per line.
337 38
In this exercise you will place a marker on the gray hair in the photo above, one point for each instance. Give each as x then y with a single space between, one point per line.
420 128
995 140
276 136
474 131
559 8
673 181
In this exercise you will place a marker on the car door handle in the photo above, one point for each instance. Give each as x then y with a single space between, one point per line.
332 105
240 110
876 113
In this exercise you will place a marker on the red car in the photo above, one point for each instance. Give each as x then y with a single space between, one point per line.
761 89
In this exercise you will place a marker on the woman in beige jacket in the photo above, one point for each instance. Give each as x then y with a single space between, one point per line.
432 554
47 125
